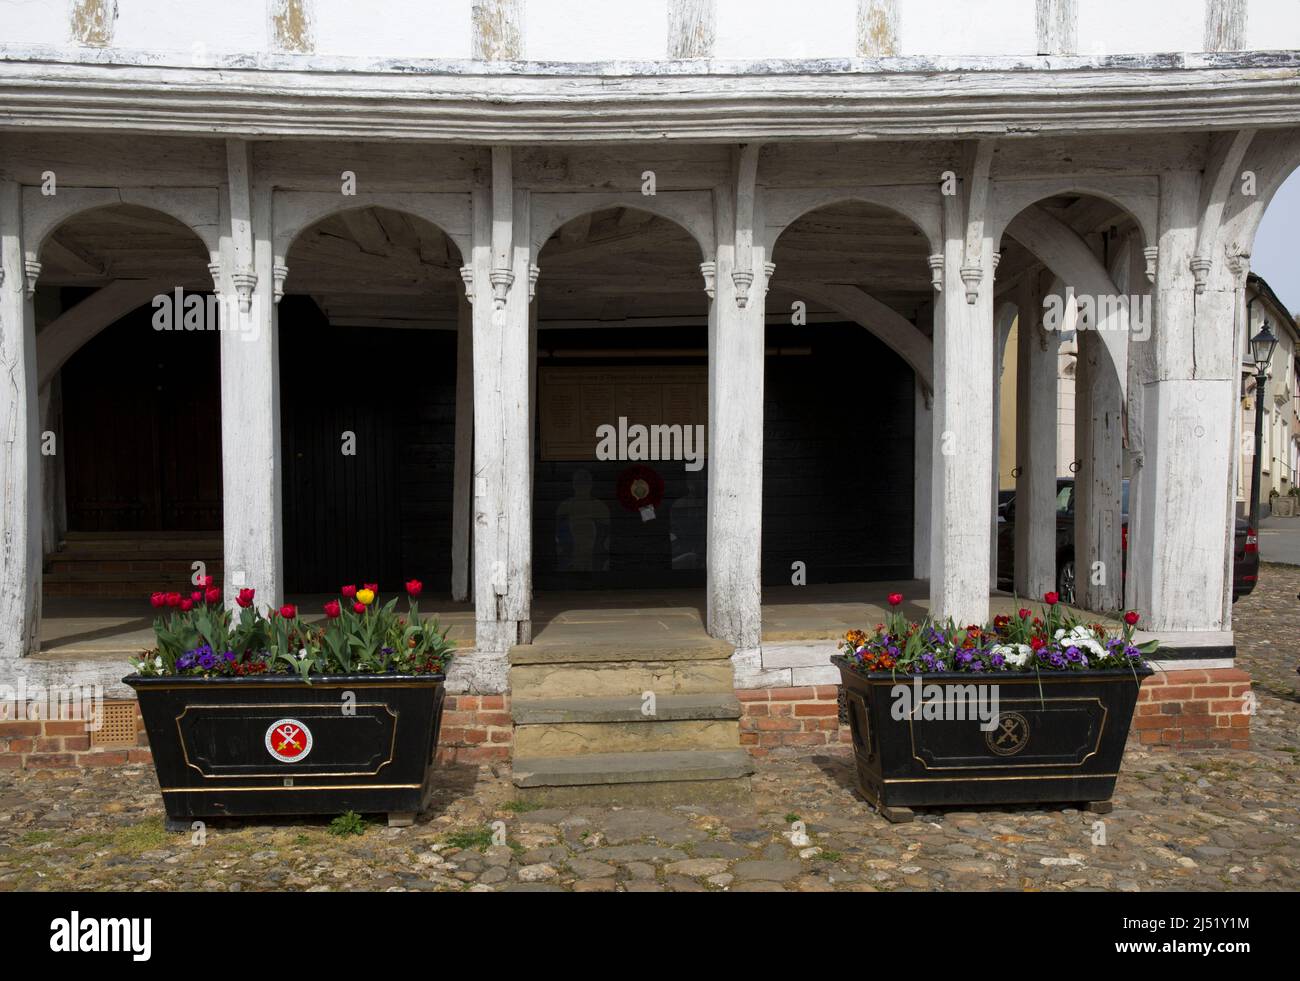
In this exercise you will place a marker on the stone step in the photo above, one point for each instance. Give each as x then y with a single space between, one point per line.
703 648
609 770
628 709
175 543
651 736
580 726
177 579
621 678
127 566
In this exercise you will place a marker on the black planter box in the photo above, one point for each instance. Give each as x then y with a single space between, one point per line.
275 745
1059 739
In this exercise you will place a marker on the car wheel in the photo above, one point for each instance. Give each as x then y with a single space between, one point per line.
1065 582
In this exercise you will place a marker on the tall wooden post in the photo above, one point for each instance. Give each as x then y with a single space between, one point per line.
463 466
1037 386
736 352
250 390
1179 564
502 439
20 461
963 411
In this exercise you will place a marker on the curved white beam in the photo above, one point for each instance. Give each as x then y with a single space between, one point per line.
62 337
1061 249
885 323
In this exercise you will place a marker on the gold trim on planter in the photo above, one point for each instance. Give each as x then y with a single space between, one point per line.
299 685
185 751
279 790
1040 776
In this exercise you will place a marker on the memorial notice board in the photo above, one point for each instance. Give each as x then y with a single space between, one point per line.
573 402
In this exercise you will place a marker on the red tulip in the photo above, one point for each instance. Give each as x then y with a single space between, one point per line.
1025 614
1051 599
187 605
245 598
173 599
332 609
358 607
197 596
288 611
207 582
372 586
158 600
414 588
895 599
347 592
1131 618
213 595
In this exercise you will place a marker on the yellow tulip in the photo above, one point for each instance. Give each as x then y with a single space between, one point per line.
365 596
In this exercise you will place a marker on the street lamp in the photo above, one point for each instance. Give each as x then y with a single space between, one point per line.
1262 346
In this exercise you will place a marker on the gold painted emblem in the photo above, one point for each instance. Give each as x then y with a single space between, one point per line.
1010 735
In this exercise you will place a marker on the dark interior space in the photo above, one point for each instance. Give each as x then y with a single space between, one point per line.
382 514
837 467
142 429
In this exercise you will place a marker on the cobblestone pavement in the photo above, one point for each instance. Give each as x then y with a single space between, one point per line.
1192 821
1267 626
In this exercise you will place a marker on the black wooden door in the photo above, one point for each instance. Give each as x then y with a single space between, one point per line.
367 434
141 433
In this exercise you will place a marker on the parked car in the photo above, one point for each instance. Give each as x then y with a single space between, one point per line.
1245 553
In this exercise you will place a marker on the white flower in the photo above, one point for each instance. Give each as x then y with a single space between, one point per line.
157 662
1015 655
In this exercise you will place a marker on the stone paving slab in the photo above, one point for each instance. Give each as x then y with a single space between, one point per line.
1207 820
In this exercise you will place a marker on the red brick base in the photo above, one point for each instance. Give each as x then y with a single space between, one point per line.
475 729
791 721
1197 709
49 744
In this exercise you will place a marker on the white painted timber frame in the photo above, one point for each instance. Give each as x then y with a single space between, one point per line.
1214 116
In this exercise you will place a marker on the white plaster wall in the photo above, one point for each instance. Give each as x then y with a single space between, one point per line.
596 30
34 22
407 28
1108 27
1273 25
786 29
609 30
952 27
197 26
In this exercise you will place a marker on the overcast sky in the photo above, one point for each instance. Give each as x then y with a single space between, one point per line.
1275 256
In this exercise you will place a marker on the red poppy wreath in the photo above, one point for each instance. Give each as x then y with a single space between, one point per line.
639 488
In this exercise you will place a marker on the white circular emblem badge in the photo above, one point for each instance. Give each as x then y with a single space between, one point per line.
288 740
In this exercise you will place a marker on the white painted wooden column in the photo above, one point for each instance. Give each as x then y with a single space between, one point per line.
250 390
463 466
1099 442
54 501
963 422
1102 372
502 544
923 475
1037 385
20 460
1179 543
735 445
1003 322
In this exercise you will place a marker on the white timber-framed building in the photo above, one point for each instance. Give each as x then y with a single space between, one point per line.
921 171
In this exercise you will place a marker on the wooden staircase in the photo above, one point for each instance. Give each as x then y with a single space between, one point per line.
586 732
130 565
